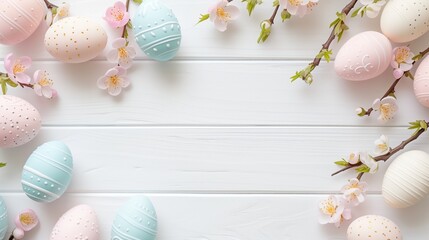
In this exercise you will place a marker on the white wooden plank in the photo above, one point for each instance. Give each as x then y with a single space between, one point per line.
226 217
169 159
215 93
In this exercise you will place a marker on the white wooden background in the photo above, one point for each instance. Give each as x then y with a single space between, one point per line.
221 141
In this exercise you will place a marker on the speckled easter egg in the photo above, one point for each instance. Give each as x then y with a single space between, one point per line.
406 181
19 19
75 39
157 30
373 227
364 56
19 121
79 222
136 219
405 20
4 221
421 83
47 172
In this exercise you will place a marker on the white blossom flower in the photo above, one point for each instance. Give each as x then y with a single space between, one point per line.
63 11
42 84
369 162
382 145
402 61
387 108
334 210
121 54
354 191
114 80
372 7
354 158
298 7
222 13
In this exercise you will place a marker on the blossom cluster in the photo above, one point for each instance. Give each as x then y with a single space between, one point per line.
24 222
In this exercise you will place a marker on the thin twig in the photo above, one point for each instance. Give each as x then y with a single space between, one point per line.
50 5
273 17
125 27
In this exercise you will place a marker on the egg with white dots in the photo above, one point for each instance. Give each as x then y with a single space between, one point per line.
75 39
405 20
157 30
20 121
421 83
47 172
136 219
373 227
79 222
4 221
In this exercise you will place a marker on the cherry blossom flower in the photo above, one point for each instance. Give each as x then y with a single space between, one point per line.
16 67
387 108
42 84
402 61
368 161
298 7
354 192
26 220
371 7
117 16
114 80
61 12
334 210
121 53
382 145
354 158
222 13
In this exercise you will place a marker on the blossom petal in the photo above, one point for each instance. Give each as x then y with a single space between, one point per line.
233 11
112 72
23 78
102 82
47 92
120 6
125 82
131 51
25 61
121 71
112 56
119 42
220 25
114 90
38 89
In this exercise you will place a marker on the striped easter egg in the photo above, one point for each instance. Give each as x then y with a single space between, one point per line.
136 219
47 172
157 30
421 83
4 222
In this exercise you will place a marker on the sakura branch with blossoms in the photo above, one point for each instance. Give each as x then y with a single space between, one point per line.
56 13
24 222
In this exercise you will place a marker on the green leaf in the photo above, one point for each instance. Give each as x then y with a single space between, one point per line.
251 4
138 1
203 18
342 163
363 112
3 87
125 33
265 31
363 169
356 12
325 54
417 57
11 83
408 74
130 24
335 22
275 3
2 164
54 11
285 15
297 76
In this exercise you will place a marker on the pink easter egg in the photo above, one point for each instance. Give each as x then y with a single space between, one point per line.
364 56
19 19
19 121
79 222
421 83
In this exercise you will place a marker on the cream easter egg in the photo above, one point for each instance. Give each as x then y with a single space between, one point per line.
373 227
421 83
19 19
19 121
157 30
405 20
364 56
75 39
406 181
4 221
79 222
47 172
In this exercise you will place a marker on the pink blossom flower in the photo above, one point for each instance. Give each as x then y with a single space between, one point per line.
221 13
42 84
121 53
298 7
16 67
26 220
387 108
402 61
114 80
117 16
354 191
334 210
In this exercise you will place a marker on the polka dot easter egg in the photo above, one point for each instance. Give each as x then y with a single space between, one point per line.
4 222
136 219
157 30
75 39
373 227
79 222
47 172
19 121
19 19
421 83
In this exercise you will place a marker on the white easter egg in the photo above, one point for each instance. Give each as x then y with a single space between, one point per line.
406 181
19 121
79 222
373 227
75 39
364 56
4 221
405 20
421 83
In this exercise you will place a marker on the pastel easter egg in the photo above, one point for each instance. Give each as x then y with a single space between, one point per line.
136 219
19 19
19 121
79 222
373 227
75 39
4 221
406 181
421 83
47 172
405 20
157 30
364 56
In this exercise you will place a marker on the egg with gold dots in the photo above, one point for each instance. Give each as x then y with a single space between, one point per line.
373 227
75 39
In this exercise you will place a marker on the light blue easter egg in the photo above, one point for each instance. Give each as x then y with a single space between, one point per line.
4 222
47 172
156 30
135 220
